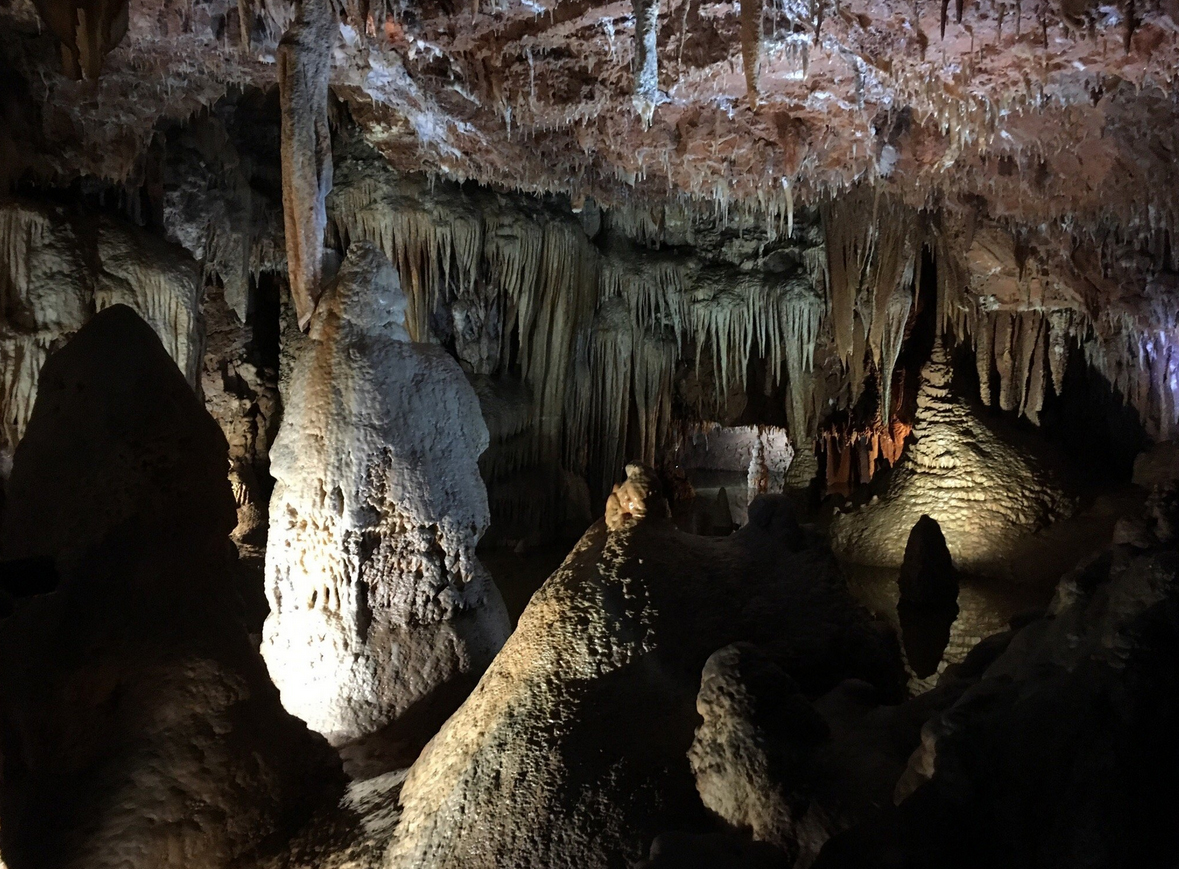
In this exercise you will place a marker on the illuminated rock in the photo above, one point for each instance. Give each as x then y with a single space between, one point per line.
572 750
984 491
791 772
379 606
139 727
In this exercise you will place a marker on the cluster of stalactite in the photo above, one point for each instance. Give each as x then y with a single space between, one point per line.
856 454
596 325
592 333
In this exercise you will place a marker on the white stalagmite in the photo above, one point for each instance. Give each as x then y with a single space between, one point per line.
378 602
1010 493
304 65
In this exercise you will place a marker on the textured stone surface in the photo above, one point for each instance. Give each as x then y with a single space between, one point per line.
791 772
1062 755
572 749
137 723
983 490
379 606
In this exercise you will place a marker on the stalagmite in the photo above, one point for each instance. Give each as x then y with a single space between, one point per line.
619 634
140 726
646 58
378 602
304 67
52 278
1010 492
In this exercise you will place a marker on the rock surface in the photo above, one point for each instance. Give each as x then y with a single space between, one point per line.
791 772
379 607
1062 755
984 491
572 749
137 722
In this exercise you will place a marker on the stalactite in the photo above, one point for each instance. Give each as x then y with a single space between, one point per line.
562 305
87 30
896 318
646 95
433 240
1006 324
849 239
799 335
752 39
1061 329
304 66
1033 400
984 355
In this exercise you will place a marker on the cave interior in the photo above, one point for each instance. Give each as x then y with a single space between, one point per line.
653 434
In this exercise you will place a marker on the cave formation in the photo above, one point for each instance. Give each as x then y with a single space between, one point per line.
564 433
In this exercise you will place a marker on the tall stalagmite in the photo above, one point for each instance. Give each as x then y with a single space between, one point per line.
984 489
378 603
304 64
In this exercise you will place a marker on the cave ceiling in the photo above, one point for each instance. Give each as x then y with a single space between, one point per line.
1041 113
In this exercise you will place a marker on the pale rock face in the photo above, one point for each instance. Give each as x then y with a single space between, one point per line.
984 491
137 722
378 603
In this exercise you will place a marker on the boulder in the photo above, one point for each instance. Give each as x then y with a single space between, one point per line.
381 616
137 723
572 750
791 772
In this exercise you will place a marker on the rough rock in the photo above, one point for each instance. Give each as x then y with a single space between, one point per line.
791 772
928 601
572 749
137 722
88 31
984 490
1157 466
1063 753
381 614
